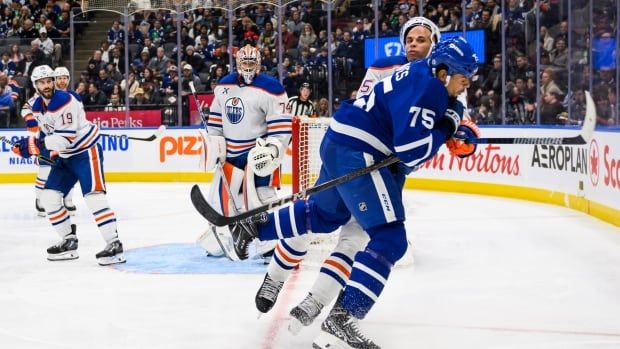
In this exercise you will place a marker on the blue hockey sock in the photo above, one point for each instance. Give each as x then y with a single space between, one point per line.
285 223
368 278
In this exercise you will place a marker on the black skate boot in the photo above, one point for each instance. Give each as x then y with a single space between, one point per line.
66 249
304 313
111 254
340 330
40 210
243 233
267 294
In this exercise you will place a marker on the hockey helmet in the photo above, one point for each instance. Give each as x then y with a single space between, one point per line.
456 55
248 63
41 72
424 22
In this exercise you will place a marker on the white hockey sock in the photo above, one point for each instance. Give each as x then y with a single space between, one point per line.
287 255
39 183
104 216
57 214
69 198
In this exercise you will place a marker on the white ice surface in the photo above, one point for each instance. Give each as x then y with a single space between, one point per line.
489 273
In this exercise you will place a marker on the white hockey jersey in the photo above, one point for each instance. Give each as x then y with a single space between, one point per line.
64 116
241 113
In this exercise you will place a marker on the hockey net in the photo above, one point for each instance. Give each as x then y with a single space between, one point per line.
307 136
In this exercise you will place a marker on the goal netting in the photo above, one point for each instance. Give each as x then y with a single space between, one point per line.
306 139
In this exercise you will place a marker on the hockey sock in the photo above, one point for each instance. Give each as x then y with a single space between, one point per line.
287 255
368 277
57 214
333 276
287 222
336 269
372 267
39 183
68 200
104 216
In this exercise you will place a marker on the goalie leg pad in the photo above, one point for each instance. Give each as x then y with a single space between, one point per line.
213 151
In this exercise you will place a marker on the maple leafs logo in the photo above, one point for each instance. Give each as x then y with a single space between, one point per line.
594 160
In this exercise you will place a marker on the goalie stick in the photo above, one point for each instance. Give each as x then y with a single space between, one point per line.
150 138
40 157
584 136
257 214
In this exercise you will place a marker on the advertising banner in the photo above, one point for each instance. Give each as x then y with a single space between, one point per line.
137 118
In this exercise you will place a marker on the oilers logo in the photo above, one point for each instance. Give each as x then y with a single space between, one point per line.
234 110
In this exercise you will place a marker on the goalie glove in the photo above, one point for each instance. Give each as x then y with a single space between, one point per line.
459 145
264 158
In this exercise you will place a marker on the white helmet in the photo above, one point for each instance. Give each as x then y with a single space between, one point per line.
426 23
41 72
248 63
61 71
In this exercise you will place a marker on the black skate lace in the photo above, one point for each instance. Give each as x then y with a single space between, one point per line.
270 289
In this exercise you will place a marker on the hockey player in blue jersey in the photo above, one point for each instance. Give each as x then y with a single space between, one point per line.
410 115
73 141
418 36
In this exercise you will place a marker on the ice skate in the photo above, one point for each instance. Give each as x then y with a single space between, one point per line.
66 249
267 294
304 313
341 331
111 254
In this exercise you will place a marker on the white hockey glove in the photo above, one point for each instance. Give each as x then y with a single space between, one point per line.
264 158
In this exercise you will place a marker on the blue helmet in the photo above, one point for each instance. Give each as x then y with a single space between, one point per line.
457 55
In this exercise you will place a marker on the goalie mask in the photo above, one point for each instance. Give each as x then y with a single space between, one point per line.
248 63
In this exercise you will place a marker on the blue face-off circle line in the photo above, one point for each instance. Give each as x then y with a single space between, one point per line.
184 259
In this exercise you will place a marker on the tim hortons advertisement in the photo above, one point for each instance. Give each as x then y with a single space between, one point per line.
137 118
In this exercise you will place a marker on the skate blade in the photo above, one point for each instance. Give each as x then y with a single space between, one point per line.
329 341
119 258
41 214
295 326
65 256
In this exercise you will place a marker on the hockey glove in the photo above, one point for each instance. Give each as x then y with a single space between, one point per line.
31 124
28 146
264 158
460 144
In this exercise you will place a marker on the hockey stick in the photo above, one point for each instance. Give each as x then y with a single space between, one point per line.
39 156
584 136
203 117
257 214
150 138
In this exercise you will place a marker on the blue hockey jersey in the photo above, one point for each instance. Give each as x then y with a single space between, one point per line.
402 115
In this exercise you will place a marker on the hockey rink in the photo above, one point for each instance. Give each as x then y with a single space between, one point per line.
489 273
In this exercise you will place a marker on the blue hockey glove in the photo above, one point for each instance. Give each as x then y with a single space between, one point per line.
29 146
